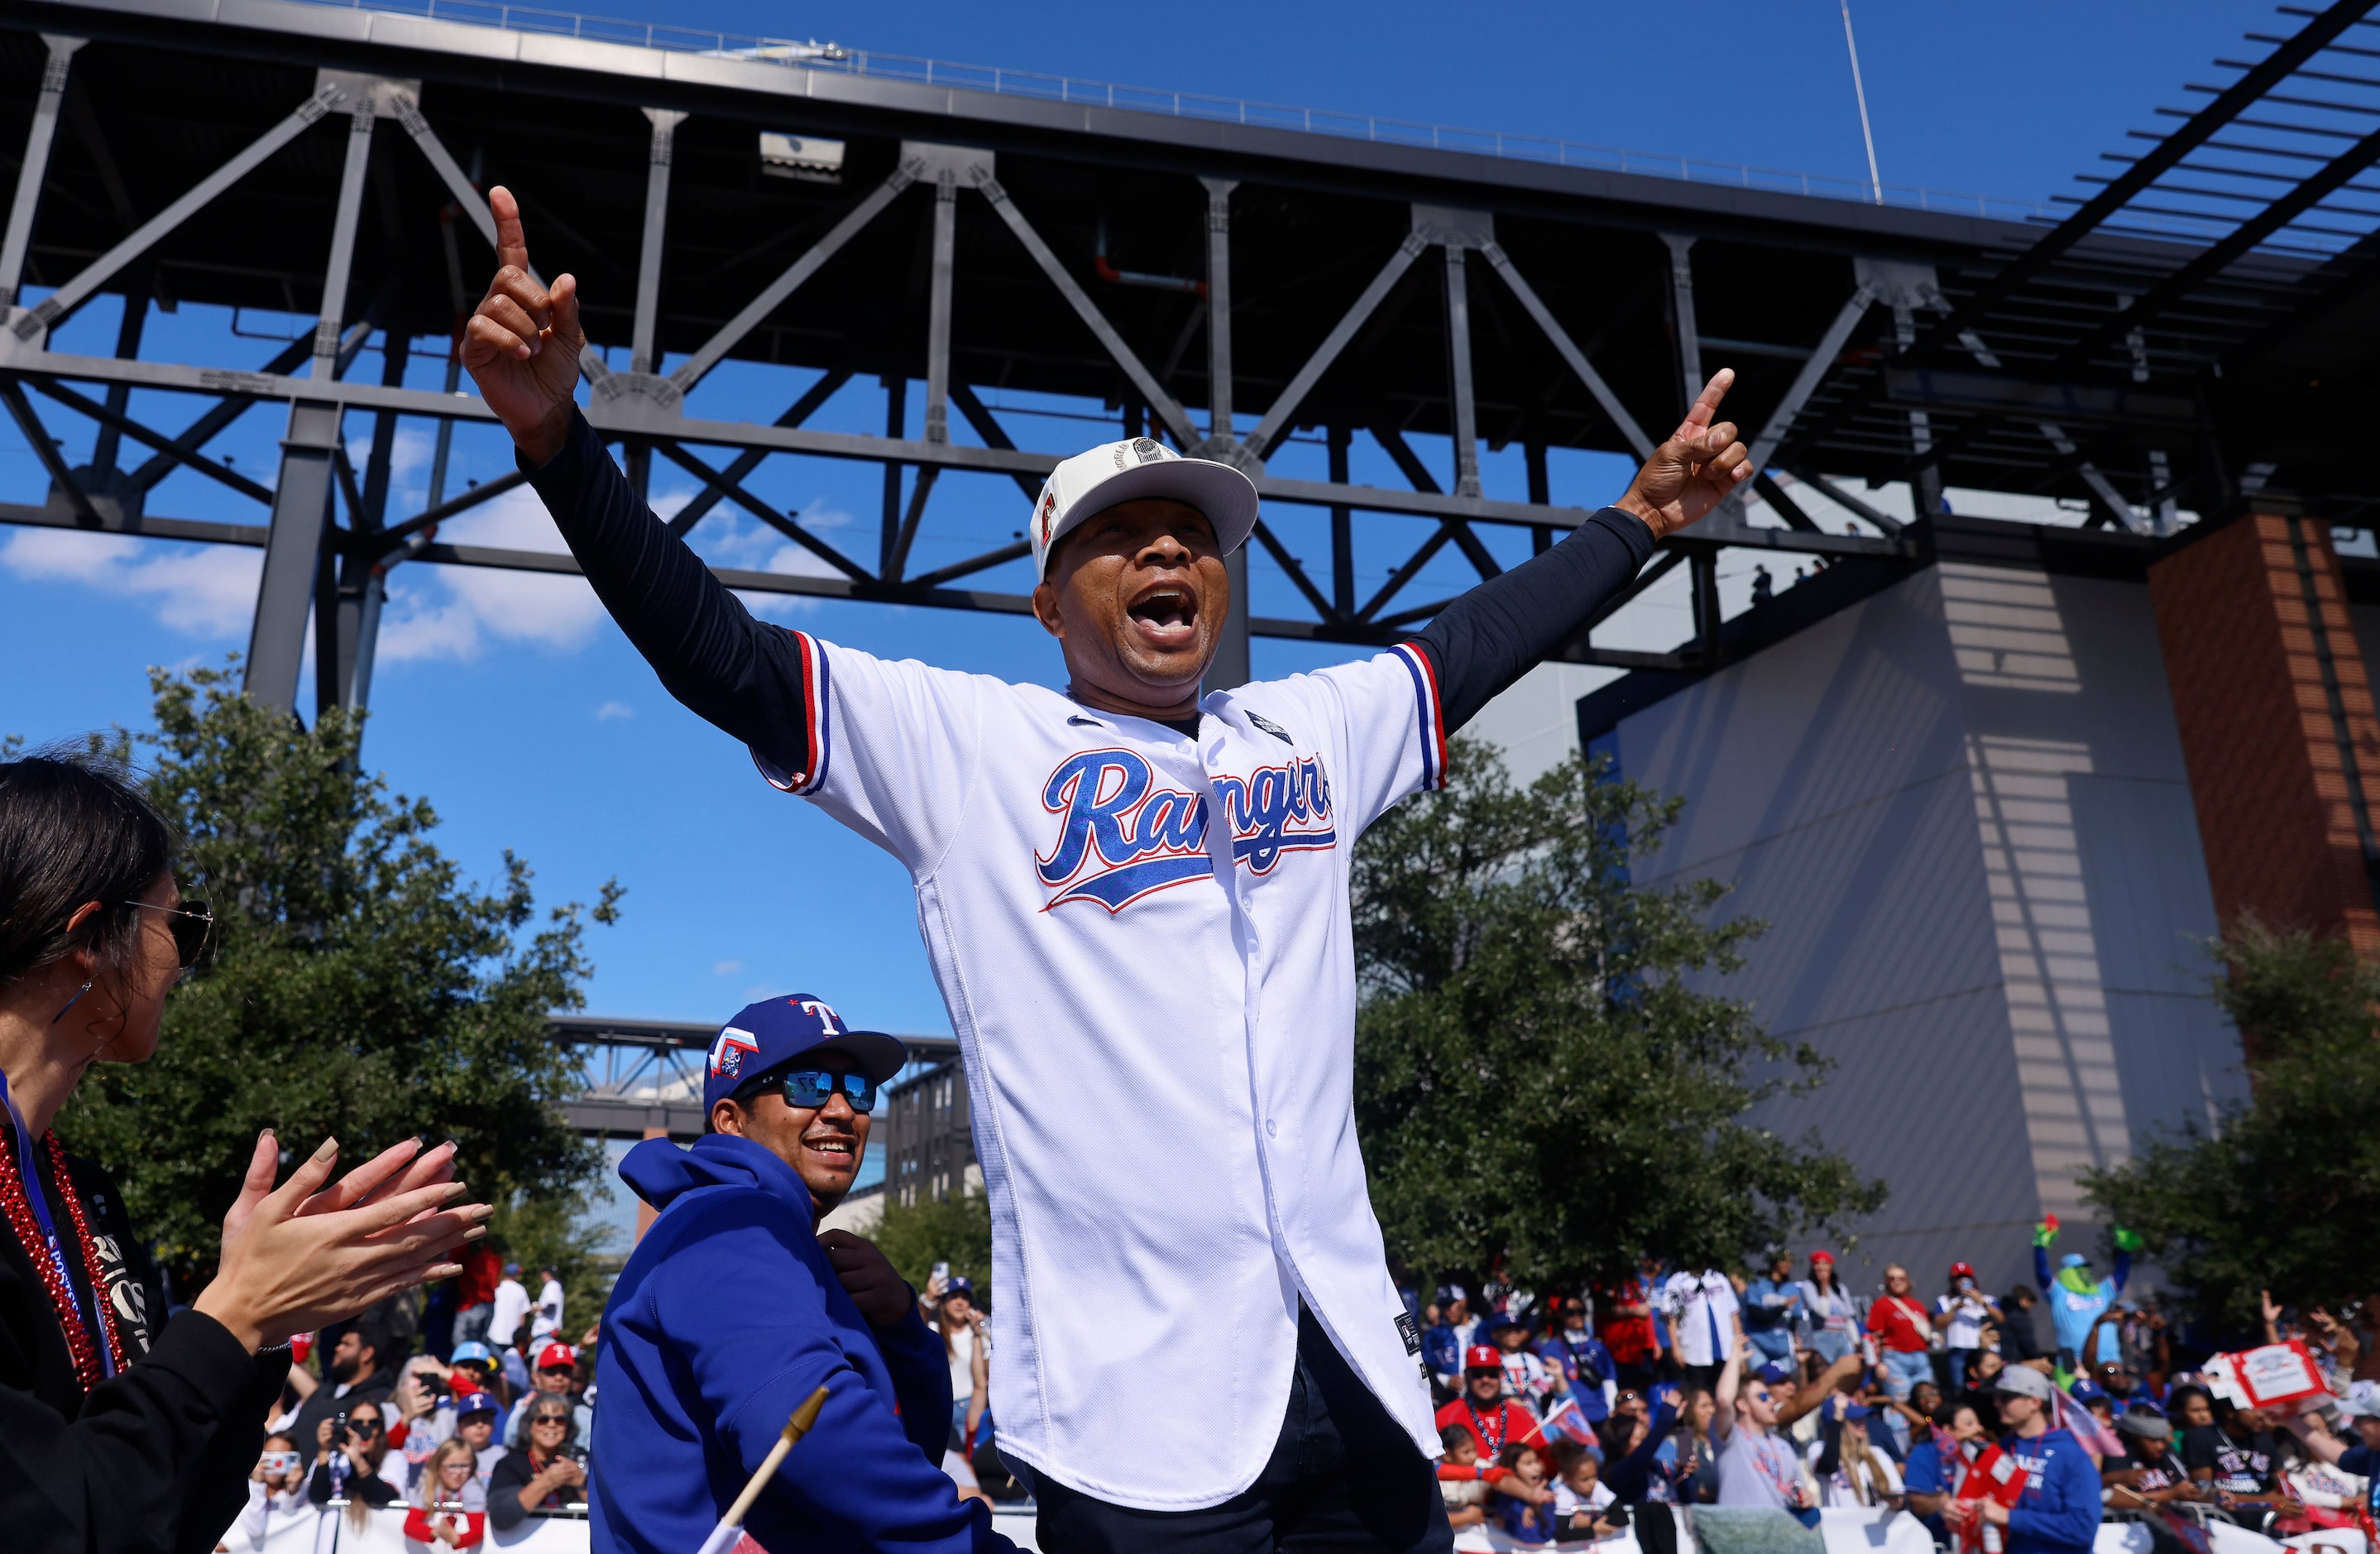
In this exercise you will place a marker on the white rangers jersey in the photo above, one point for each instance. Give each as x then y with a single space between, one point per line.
1143 943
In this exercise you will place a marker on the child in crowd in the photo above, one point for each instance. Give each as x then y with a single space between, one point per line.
443 1512
276 1495
1524 1521
1584 1505
1460 1481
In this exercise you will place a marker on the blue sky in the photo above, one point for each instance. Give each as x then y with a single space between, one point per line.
513 704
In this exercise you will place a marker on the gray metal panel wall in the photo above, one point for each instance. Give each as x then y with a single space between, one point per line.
1960 805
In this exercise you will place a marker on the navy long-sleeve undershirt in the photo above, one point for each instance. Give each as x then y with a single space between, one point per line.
745 676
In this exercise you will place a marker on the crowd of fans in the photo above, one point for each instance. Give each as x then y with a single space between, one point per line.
1562 1416
490 1423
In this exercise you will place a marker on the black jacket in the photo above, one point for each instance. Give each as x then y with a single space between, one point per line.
155 1459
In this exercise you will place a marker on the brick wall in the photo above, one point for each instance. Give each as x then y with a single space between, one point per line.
2261 723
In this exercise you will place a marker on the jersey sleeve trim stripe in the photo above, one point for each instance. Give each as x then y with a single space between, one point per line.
816 705
1431 711
816 710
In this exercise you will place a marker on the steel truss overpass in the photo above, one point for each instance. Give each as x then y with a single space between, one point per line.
1223 285
645 1076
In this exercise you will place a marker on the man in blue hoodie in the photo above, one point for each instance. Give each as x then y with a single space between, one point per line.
2060 1511
732 1310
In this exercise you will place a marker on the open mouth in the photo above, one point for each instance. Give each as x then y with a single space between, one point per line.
1167 615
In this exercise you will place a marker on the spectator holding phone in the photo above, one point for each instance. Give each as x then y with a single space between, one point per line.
276 1495
1960 1316
123 1429
548 1474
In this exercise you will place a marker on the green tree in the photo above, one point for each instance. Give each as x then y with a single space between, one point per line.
359 987
1539 1078
2281 1191
955 1230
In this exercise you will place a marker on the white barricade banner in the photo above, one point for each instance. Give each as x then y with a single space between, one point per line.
309 1531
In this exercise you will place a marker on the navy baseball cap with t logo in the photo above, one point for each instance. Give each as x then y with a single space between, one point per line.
774 1032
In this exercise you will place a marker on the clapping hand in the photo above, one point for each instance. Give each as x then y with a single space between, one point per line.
1694 472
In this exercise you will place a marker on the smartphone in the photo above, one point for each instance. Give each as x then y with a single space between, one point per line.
941 1274
280 1465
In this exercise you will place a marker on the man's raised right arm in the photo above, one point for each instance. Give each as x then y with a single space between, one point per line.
522 347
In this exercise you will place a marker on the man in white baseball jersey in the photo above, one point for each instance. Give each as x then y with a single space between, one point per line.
1136 903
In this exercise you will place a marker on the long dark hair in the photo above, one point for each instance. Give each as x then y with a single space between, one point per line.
74 827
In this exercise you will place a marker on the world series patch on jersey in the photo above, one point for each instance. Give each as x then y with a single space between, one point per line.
1143 943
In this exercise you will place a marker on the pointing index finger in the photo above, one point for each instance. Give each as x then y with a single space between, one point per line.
1706 402
512 243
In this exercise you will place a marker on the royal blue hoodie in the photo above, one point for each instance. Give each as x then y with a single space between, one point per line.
2061 1509
727 1315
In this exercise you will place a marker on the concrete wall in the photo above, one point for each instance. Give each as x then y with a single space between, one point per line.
1959 804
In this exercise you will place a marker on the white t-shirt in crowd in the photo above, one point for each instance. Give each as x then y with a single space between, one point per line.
504 1323
1703 1309
1569 1501
961 1345
1188 892
1837 1488
1968 1314
549 1310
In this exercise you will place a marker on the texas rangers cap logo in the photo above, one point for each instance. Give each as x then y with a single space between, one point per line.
727 1052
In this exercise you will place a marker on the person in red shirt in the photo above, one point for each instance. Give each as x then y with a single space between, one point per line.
475 1292
1903 1330
1624 1323
1492 1420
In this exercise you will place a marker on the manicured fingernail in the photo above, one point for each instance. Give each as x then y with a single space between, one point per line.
445 1270
329 1149
266 1134
475 1232
483 1211
455 1190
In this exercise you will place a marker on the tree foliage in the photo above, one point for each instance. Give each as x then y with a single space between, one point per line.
955 1230
1539 1078
358 987
2282 1190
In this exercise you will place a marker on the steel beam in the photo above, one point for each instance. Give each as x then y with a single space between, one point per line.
1841 498
1278 421
750 460
709 355
1218 309
36 165
127 347
896 425
938 306
438 512
116 422
301 497
1458 373
993 435
1681 313
99 272
1814 373
1152 392
46 450
642 356
1342 535
363 579
1568 350
201 432
762 511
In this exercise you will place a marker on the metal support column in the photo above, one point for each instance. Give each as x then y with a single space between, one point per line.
1458 373
363 579
1231 666
896 426
36 166
301 497
1343 532
1681 314
938 320
641 356
1541 536
1925 485
1707 621
127 348
1220 431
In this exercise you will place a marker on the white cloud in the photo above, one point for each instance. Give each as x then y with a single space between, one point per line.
206 590
726 968
611 709
458 612
734 539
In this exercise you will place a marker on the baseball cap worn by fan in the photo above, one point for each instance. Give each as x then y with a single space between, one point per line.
1092 482
556 1357
767 1036
2025 1382
1483 1356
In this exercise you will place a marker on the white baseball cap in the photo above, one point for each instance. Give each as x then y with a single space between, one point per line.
1092 482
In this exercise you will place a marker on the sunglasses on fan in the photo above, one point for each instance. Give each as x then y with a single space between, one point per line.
191 923
806 1089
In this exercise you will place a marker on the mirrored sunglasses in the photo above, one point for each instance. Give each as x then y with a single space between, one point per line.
806 1089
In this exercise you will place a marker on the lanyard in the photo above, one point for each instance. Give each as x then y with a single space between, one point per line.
30 1171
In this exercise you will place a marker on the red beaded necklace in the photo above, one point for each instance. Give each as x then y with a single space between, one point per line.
20 1210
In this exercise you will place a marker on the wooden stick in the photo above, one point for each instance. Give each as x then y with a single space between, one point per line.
795 1427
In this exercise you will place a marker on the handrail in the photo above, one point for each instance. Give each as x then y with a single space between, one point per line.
810 55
